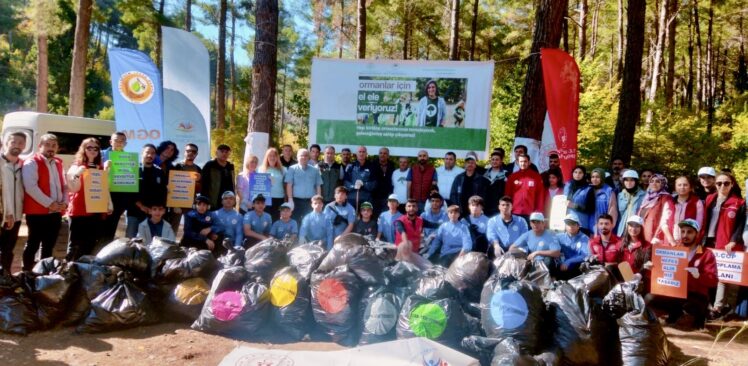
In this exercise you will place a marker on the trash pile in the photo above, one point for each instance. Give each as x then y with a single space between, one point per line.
504 312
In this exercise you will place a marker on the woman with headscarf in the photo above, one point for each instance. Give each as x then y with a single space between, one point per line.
656 209
605 198
431 108
629 199
580 202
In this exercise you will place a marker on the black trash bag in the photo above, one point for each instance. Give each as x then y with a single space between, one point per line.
197 263
186 299
233 257
513 309
512 264
306 258
468 273
438 320
265 258
570 309
290 298
538 274
53 293
643 341
46 266
381 308
624 297
126 254
479 347
597 282
18 314
237 305
124 305
508 352
336 296
353 250
433 284
161 250
93 280
402 274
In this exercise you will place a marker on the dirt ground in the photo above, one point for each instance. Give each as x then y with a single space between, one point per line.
172 343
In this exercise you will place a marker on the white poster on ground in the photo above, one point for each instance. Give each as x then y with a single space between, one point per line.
404 105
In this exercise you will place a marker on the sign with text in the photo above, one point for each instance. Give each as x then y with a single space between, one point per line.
124 171
731 267
558 213
404 105
259 184
181 189
96 190
669 275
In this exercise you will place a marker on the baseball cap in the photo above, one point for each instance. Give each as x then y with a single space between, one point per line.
259 197
537 216
286 205
571 218
630 173
393 197
366 204
227 194
636 219
471 155
690 223
707 170
202 199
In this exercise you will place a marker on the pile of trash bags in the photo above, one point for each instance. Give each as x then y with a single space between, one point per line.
505 312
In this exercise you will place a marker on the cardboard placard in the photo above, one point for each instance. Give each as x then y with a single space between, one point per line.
731 267
669 275
181 189
96 190
626 272
259 184
124 172
558 213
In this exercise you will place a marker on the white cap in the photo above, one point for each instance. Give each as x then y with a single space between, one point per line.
393 197
636 219
630 173
571 217
707 170
471 155
537 216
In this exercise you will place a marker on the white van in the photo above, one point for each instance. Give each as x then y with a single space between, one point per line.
70 131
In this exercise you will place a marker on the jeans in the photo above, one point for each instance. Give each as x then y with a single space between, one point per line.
83 235
8 239
43 230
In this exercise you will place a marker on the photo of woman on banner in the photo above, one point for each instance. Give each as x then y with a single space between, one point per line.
431 108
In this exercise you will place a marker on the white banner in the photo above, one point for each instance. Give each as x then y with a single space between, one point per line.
404 105
186 91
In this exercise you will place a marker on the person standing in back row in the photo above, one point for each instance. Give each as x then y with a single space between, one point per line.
526 189
420 180
218 176
45 199
151 188
120 200
359 179
302 182
187 165
12 194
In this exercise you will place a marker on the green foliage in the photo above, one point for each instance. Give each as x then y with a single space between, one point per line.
507 96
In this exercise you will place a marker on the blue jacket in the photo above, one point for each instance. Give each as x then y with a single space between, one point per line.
365 173
573 249
505 234
580 199
624 199
451 238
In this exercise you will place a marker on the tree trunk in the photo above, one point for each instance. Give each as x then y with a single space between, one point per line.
629 106
361 29
547 33
340 29
42 74
188 16
619 68
689 84
595 22
232 70
670 81
583 9
699 58
159 37
264 68
454 36
709 67
221 67
474 30
80 50
656 59
406 28
565 30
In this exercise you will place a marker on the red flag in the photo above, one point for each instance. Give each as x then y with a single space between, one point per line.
561 80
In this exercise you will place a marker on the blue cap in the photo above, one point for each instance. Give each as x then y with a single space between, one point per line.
690 223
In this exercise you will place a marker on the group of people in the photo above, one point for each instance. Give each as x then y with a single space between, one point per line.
434 213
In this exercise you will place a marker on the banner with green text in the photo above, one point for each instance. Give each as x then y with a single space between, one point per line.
403 105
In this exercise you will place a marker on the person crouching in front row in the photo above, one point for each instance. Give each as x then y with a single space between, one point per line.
198 227
154 226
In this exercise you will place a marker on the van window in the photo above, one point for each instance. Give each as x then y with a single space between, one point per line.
70 142
29 137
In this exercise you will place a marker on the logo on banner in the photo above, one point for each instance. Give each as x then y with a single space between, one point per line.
431 110
264 359
563 136
185 126
136 87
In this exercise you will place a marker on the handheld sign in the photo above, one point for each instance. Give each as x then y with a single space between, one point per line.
731 267
669 275
181 189
558 212
626 272
124 172
96 190
259 184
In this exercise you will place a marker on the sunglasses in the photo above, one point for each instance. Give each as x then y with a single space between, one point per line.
720 184
92 148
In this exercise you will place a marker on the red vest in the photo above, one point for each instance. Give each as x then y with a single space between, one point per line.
611 253
629 254
728 213
413 230
30 206
653 215
691 207
77 205
707 265
420 183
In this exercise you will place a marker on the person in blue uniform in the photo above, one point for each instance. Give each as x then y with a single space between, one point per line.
451 240
257 223
285 227
198 227
504 228
227 222
315 225
575 247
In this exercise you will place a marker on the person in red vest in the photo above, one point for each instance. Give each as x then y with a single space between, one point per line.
421 178
45 199
725 219
526 189
657 210
84 225
687 205
409 227
702 269
606 246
